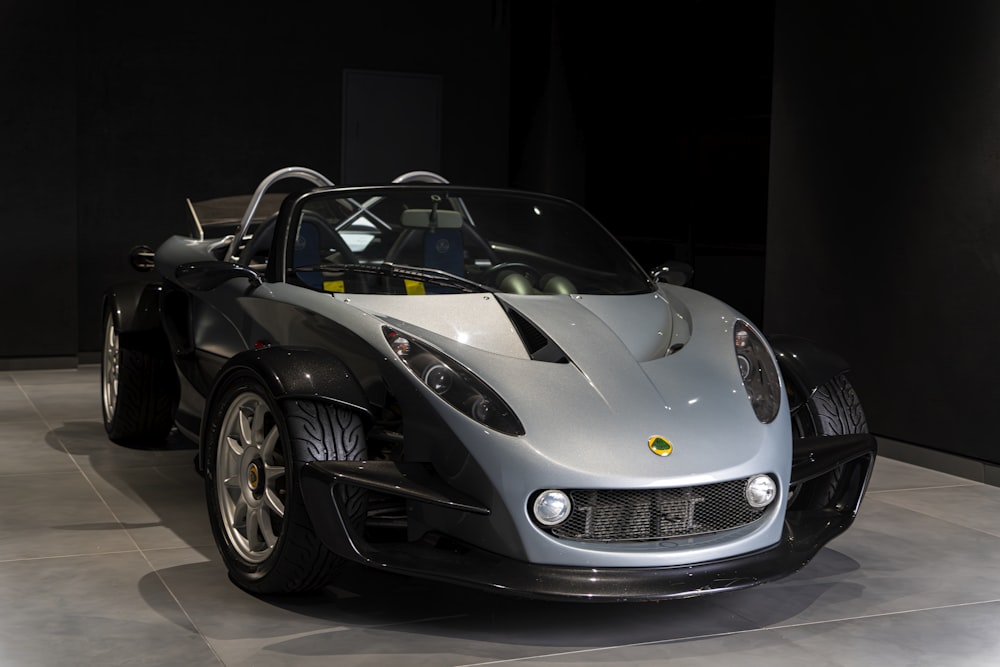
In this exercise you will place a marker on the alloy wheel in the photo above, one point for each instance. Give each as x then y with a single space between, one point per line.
250 479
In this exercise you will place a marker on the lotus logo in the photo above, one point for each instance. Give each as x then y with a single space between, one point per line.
660 446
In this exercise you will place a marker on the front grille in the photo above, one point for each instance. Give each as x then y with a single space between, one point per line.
602 515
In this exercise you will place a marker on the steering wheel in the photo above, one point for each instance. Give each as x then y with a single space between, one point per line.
493 274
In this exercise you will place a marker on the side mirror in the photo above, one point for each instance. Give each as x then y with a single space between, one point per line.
673 273
141 258
201 276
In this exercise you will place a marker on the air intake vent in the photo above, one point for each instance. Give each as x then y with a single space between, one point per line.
538 345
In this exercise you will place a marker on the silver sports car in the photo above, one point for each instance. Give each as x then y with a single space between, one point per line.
477 386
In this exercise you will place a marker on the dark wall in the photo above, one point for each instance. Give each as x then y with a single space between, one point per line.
115 113
38 196
884 217
207 102
659 124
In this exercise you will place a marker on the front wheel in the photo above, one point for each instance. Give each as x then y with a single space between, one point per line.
833 409
256 449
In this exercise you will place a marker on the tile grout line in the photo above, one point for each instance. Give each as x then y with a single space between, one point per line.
924 488
729 634
118 520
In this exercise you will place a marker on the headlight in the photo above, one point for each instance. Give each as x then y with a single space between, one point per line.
454 383
759 373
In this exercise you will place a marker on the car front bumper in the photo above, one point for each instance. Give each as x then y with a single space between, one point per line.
805 532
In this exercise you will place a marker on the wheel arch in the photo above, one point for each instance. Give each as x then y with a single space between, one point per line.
290 372
135 306
805 365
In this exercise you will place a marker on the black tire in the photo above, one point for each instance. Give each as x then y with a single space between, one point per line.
833 409
138 386
255 450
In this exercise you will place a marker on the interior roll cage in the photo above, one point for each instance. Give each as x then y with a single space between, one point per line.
319 180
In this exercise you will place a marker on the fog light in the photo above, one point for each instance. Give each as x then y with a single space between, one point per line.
760 490
552 507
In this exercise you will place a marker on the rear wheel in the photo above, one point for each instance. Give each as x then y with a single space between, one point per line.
138 386
256 449
833 409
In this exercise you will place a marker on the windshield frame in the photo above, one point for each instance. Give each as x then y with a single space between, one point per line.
365 200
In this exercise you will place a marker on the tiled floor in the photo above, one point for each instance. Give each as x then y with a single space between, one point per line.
106 559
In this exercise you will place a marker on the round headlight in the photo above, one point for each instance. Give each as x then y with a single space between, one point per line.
480 408
744 366
552 507
760 491
439 378
757 371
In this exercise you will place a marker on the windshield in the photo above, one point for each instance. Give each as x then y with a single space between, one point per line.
442 239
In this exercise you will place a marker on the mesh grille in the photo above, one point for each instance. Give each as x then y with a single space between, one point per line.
654 514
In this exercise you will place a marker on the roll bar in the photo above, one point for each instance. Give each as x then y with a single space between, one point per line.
303 173
318 180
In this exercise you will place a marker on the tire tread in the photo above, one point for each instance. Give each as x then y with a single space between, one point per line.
315 431
147 392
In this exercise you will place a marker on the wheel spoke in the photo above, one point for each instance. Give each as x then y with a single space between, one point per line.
234 449
274 503
238 515
268 444
273 472
267 530
245 426
253 529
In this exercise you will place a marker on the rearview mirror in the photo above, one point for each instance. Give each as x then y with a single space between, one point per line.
426 218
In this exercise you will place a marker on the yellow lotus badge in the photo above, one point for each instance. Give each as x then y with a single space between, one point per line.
660 446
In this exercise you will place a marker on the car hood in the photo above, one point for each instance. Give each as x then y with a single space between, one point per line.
647 325
636 366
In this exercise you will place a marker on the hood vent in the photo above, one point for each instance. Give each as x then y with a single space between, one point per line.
538 345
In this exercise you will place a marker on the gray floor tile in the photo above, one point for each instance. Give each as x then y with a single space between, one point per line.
952 637
61 402
159 506
94 610
890 561
86 376
15 406
28 447
87 443
56 514
892 475
974 506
